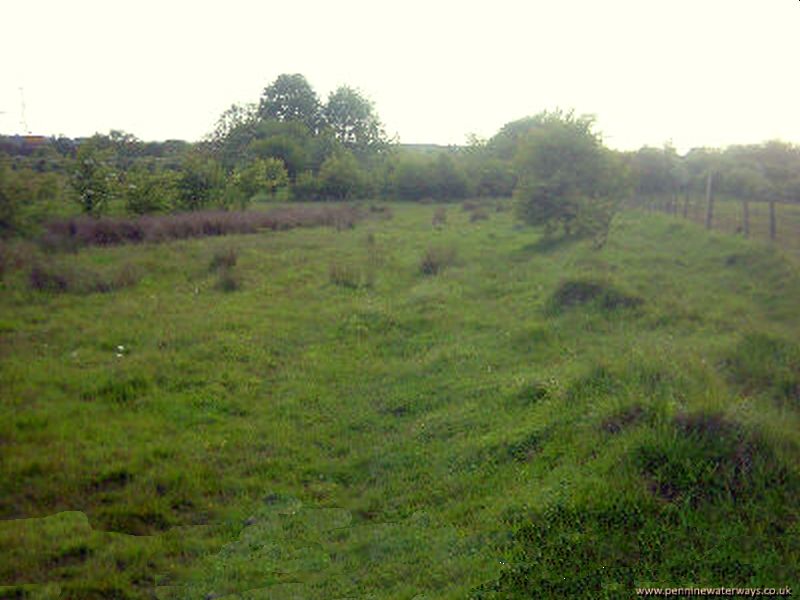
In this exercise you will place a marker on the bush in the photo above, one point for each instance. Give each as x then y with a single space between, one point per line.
437 258
568 180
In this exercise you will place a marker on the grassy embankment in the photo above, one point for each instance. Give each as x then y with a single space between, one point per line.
326 414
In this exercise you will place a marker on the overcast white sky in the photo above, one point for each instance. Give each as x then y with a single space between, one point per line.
696 72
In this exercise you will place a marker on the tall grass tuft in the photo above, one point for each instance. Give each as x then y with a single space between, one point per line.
437 258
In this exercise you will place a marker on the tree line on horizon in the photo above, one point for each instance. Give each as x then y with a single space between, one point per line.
291 145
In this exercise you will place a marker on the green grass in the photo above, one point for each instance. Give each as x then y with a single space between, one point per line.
314 413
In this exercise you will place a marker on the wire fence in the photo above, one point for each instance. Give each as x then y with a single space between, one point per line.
776 222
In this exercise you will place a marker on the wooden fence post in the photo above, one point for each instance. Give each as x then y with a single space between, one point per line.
772 228
709 200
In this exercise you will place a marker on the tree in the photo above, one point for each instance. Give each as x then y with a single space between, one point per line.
92 179
290 150
200 182
262 177
354 121
567 179
291 98
341 177
449 180
148 192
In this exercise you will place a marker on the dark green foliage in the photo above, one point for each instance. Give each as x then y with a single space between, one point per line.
762 363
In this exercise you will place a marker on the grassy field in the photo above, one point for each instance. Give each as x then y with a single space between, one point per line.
404 411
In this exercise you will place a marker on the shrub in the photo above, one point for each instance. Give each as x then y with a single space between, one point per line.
568 179
437 258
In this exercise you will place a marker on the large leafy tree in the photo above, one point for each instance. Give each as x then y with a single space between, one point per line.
568 180
354 121
291 98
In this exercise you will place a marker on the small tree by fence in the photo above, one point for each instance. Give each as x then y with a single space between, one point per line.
771 219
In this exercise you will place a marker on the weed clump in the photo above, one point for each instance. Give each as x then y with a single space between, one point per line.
623 419
479 214
439 217
228 280
532 393
437 258
579 292
704 458
349 276
111 231
224 259
53 278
